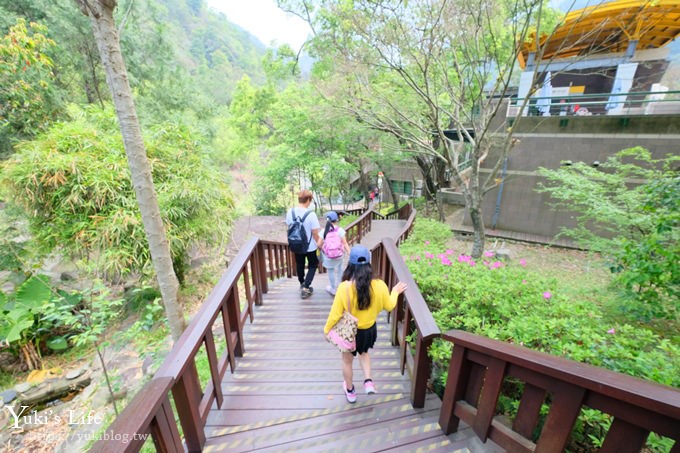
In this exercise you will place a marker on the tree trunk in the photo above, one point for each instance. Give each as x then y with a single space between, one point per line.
474 202
106 36
431 183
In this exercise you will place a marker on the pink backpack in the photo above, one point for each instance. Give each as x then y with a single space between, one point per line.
332 244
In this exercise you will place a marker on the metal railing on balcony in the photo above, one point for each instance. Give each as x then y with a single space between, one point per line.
631 103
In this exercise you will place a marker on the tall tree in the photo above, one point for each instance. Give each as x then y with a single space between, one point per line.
100 13
418 69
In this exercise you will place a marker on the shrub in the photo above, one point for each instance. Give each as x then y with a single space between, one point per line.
507 302
74 186
628 208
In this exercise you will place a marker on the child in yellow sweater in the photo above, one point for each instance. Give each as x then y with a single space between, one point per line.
368 297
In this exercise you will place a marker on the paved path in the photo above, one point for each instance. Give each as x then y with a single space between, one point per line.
381 229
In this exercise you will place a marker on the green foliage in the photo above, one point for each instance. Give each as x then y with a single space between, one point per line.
28 96
86 315
507 302
147 302
74 185
21 313
628 209
30 319
15 249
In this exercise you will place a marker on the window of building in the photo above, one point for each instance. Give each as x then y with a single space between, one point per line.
402 187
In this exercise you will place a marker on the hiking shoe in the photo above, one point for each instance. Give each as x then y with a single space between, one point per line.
305 293
330 290
351 395
369 387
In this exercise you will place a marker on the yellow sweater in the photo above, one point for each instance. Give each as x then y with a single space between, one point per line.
381 299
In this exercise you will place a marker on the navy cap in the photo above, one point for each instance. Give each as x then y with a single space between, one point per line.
332 216
359 255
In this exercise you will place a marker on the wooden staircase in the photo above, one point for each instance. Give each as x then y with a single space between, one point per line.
286 392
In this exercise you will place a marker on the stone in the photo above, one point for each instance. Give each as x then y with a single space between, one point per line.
8 287
8 396
148 366
503 254
22 387
6 359
74 374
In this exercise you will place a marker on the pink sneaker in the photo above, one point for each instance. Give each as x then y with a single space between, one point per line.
369 387
351 395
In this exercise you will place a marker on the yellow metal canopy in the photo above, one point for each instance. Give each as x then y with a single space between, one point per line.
609 28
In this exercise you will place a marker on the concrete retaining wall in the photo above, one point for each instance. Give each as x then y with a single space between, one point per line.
545 143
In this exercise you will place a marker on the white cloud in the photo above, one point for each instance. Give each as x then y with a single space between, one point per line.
265 20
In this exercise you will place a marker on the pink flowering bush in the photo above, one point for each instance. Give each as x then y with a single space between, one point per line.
508 302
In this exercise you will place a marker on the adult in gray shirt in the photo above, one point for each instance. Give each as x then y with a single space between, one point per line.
312 227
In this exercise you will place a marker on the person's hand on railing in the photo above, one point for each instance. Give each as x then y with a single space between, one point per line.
400 287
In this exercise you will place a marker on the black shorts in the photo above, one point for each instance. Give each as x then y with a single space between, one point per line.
366 339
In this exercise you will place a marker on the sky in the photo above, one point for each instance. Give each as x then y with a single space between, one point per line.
264 20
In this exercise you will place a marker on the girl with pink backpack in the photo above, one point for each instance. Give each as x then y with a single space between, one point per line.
334 248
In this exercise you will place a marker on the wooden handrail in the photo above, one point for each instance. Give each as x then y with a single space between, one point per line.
247 275
638 407
359 228
138 421
410 307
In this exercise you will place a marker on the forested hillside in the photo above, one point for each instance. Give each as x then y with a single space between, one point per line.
181 58
66 194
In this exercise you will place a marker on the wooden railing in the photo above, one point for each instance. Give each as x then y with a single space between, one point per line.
359 228
480 366
477 369
402 213
228 307
411 315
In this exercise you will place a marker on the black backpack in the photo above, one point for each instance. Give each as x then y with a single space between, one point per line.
297 235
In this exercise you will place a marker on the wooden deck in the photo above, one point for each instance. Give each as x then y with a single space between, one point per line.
286 395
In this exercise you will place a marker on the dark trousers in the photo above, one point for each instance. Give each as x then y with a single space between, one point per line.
313 260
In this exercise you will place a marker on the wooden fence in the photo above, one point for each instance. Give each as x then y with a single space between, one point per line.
480 367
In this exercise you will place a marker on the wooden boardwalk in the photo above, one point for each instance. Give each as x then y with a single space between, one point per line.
286 393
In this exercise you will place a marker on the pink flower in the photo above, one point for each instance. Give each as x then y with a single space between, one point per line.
611 331
416 257
445 261
486 263
497 264
428 255
450 251
524 282
522 262
547 295
489 254
472 263
464 258
427 242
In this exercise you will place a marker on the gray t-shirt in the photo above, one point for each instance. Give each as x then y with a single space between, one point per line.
311 223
